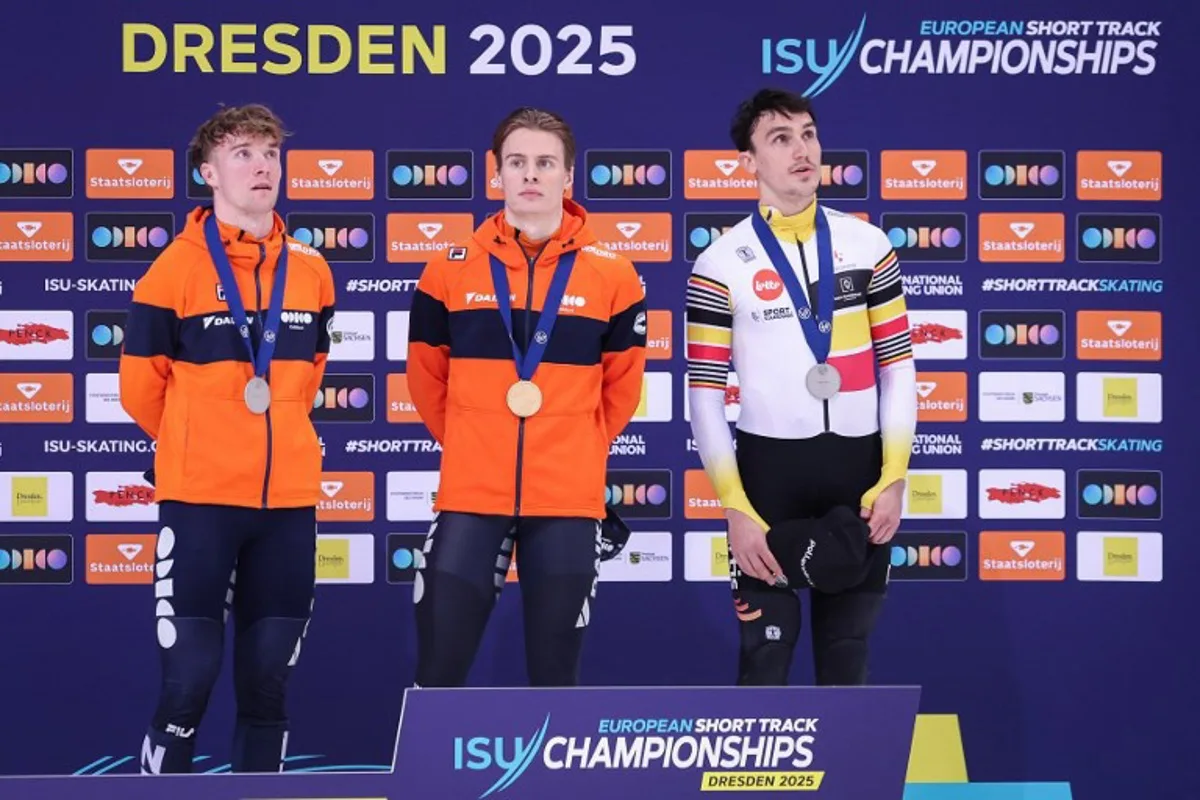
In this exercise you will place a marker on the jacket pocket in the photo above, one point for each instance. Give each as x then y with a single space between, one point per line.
296 461
565 460
171 445
226 456
478 463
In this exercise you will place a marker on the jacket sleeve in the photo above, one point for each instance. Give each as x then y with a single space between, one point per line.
428 366
324 331
623 351
892 342
709 311
151 342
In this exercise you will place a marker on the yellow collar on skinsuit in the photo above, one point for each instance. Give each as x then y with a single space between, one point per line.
799 226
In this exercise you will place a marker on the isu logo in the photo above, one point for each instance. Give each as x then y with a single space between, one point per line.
767 285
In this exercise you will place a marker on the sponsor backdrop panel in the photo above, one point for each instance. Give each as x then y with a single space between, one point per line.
1022 166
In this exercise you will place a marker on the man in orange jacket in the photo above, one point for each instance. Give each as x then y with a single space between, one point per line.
226 346
527 348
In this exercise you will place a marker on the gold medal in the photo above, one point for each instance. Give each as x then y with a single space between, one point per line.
524 398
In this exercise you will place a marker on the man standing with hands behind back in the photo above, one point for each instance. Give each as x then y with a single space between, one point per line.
806 301
527 347
227 340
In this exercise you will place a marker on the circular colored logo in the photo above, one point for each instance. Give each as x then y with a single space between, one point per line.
767 284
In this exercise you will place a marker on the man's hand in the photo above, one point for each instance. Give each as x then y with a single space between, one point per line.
748 541
884 518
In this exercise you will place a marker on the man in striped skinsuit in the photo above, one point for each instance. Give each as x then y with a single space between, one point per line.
808 305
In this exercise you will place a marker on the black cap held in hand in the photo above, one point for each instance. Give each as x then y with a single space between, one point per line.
827 554
614 535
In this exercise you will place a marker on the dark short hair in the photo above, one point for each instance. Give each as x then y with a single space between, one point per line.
538 120
765 101
253 120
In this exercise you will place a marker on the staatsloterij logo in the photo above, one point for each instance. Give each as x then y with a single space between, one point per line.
827 59
513 755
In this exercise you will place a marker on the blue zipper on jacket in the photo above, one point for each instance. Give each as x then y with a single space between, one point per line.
524 348
262 255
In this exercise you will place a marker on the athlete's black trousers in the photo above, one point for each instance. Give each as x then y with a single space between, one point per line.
259 564
789 479
463 570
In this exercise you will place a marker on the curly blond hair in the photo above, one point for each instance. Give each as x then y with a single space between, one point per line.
253 120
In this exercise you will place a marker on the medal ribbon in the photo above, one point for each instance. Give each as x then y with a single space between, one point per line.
818 331
266 349
527 364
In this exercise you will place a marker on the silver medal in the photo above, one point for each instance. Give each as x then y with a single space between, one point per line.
823 381
257 395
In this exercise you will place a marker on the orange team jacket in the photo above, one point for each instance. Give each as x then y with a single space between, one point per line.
460 365
184 367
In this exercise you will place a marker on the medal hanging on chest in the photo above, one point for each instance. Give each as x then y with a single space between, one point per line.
524 397
257 395
823 380
257 392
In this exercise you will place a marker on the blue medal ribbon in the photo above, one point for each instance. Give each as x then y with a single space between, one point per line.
818 330
261 361
528 362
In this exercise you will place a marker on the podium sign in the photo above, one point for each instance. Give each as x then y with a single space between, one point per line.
596 744
590 744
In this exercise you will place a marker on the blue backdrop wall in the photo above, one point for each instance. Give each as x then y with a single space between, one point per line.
1030 161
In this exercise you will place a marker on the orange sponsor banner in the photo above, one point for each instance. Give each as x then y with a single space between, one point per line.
638 237
330 174
130 174
923 175
120 558
37 235
494 190
417 238
400 407
1118 335
1118 175
37 397
1022 556
1023 237
941 397
716 175
346 497
701 502
659 335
